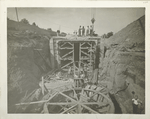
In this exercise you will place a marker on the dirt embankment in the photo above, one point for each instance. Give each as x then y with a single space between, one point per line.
122 66
28 58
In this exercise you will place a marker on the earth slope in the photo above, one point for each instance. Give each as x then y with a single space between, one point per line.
122 66
28 58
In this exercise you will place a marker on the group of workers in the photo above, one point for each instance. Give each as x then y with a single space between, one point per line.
85 31
82 72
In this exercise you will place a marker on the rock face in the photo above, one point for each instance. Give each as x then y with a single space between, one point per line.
122 64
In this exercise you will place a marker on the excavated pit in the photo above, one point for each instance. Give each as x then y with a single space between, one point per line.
121 69
117 106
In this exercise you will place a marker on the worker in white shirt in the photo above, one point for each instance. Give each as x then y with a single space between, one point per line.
135 103
91 30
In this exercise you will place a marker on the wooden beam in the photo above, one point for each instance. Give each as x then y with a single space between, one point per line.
29 103
61 103
67 97
84 53
42 85
88 108
63 44
82 43
67 54
69 109
52 96
70 44
45 109
95 103
90 44
66 65
75 94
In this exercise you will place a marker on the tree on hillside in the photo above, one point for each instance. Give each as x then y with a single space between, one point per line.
49 29
25 21
34 24
63 34
109 34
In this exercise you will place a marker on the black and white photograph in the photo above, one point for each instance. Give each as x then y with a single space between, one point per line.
75 60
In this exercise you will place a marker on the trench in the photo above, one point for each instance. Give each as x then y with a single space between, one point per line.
34 108
116 104
28 61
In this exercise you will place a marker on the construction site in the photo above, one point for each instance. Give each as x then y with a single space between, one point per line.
51 73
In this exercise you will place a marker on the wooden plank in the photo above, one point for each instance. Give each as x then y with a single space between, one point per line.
42 85
66 65
85 53
29 103
90 44
67 54
52 96
79 57
88 108
63 44
79 109
69 109
75 94
95 103
82 44
61 103
68 97
70 44
45 109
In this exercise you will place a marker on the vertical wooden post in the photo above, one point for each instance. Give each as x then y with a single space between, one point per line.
45 109
52 58
79 58
74 67
42 85
79 109
73 61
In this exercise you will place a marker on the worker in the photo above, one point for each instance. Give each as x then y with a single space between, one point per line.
136 102
83 31
91 30
80 31
58 32
87 31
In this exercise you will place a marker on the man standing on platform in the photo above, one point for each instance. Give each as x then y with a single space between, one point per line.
83 31
87 31
80 31
91 30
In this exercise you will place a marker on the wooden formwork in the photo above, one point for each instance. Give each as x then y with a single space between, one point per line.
72 52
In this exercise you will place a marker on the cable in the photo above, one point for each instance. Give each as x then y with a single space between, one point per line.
17 14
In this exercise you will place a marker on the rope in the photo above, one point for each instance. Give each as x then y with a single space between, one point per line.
93 12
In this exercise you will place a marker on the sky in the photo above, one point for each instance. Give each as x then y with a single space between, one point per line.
69 19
